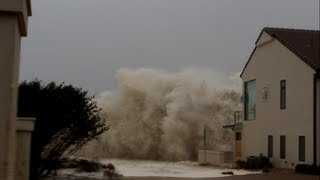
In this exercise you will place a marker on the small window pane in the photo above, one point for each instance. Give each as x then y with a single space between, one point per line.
282 147
302 149
270 146
283 94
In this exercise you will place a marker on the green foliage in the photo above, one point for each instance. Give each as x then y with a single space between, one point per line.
67 118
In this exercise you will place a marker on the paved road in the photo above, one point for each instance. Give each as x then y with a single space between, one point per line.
271 176
246 177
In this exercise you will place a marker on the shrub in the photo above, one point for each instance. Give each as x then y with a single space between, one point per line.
307 169
241 164
262 164
67 118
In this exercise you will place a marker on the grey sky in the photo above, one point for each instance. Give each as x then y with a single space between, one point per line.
84 42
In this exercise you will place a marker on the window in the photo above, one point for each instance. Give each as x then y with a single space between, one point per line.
270 146
250 100
302 148
238 136
283 94
282 147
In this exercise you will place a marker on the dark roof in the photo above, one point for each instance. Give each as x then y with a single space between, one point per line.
303 43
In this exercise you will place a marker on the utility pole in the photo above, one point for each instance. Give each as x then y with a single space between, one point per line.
205 143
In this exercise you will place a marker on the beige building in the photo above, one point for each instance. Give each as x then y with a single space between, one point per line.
281 105
14 135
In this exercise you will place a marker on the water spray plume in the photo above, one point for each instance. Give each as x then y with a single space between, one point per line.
159 115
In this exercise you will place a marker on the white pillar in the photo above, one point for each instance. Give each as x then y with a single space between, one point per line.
13 24
23 145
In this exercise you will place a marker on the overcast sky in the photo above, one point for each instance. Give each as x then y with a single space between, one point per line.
84 42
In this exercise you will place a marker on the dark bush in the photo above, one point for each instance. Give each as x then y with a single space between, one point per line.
256 163
241 164
307 169
89 166
67 118
86 165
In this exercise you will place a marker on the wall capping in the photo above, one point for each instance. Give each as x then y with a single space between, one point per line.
25 123
19 8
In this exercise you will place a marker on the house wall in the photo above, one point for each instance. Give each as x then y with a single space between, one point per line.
270 63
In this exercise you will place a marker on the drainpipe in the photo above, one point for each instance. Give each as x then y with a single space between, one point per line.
315 124
314 120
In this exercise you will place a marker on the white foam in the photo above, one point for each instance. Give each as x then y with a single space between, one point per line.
159 115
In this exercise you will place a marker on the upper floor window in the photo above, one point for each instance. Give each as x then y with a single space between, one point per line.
250 100
283 94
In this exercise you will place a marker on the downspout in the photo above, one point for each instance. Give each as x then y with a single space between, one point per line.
315 124
315 119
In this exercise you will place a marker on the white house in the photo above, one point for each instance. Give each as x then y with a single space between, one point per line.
281 106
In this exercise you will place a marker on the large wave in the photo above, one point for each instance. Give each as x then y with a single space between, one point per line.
159 115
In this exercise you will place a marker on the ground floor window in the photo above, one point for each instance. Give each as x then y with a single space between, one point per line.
282 147
302 148
270 146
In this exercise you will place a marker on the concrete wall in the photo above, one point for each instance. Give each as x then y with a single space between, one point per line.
219 158
270 63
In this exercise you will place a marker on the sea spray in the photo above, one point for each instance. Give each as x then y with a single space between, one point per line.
159 115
